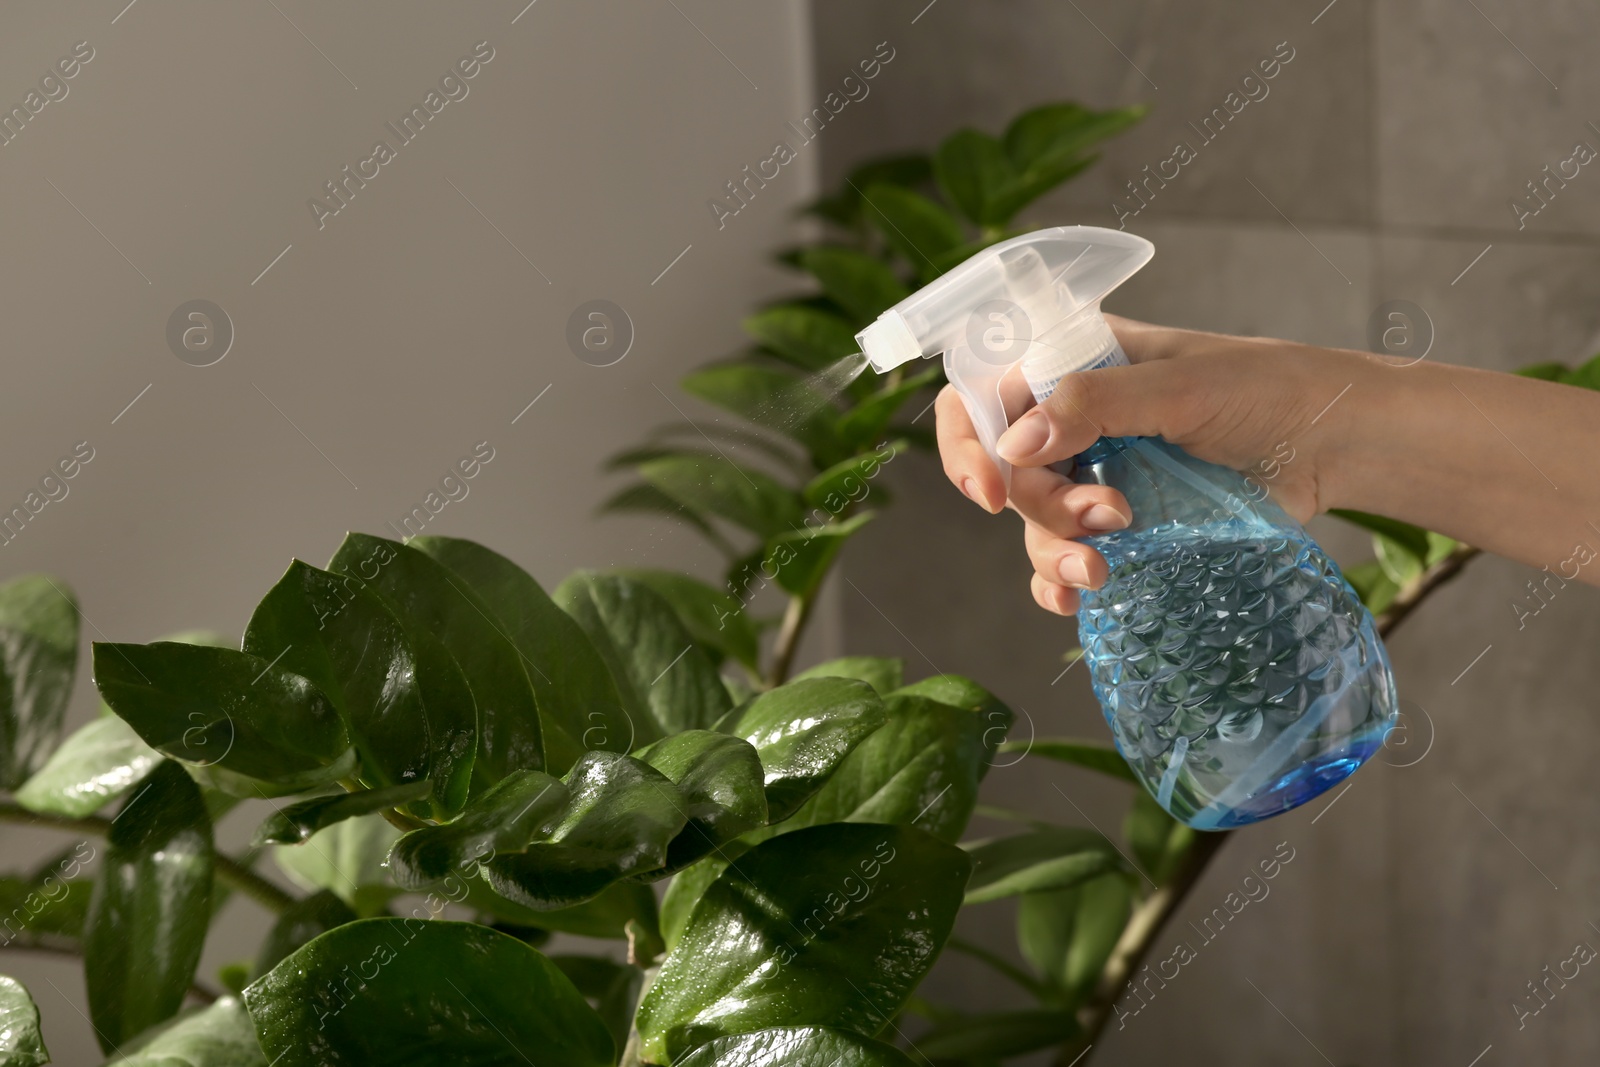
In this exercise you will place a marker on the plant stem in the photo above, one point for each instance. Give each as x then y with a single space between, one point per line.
234 875
1153 913
789 633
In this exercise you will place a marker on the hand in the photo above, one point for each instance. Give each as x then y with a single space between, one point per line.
1234 401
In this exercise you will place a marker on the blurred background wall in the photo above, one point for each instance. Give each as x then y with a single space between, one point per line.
1379 167
374 347
372 352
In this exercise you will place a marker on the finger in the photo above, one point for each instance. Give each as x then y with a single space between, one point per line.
1062 562
966 463
1143 342
1154 399
1067 509
1056 598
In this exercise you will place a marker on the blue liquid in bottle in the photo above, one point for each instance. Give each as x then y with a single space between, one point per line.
1240 674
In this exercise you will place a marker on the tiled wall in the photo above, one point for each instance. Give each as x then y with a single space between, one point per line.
1379 166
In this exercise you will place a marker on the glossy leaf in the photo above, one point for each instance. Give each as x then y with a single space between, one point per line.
1095 757
883 673
1159 841
579 706
1044 858
802 731
796 1046
664 679
217 706
975 173
296 823
504 818
150 909
864 425
921 767
715 486
800 559
608 915
959 691
808 337
618 818
827 926
38 910
308 918
720 779
439 992
21 1041
851 481
774 398
218 1035
865 287
1001 1035
98 763
714 619
428 599
612 988
38 654
913 225
330 629
1375 588
688 886
347 858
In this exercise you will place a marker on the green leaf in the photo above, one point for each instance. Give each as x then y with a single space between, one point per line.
579 706
844 207
991 1038
883 673
913 225
863 286
1397 561
348 858
296 823
922 767
1411 539
648 500
1088 754
617 820
827 926
801 559
504 818
863 426
429 599
1159 841
1546 372
38 654
688 886
1586 376
99 762
1375 588
439 992
975 173
608 915
802 731
217 706
1045 135
21 1041
43 907
218 1035
715 620
1054 857
775 398
1068 934
308 918
744 496
331 630
808 337
720 779
151 906
851 481
664 679
738 438
612 988
796 1046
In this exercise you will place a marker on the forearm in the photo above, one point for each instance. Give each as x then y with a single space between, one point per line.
1501 462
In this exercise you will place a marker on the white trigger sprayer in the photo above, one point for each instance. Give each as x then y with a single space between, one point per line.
1033 299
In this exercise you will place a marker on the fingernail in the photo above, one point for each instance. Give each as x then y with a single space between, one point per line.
1026 436
1074 572
1104 517
970 489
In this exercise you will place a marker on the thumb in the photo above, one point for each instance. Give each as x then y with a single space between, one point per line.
1143 400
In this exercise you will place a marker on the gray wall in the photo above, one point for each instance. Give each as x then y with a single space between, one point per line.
1383 159
380 348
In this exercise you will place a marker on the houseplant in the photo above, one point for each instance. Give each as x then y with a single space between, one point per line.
461 766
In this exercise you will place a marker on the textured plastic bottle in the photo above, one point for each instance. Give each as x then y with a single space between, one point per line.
1240 674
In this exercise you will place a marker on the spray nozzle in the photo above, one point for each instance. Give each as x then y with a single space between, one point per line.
1034 298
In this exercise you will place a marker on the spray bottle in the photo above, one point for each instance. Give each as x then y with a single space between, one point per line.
1240 674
